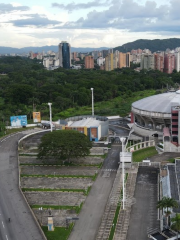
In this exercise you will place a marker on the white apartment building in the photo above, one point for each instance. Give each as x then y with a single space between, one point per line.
177 61
100 61
46 62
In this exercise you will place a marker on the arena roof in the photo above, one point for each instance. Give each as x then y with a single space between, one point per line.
161 103
86 122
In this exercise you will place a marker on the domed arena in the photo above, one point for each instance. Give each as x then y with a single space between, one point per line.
156 112
159 114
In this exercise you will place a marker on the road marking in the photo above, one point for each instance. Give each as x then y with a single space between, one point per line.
3 224
6 237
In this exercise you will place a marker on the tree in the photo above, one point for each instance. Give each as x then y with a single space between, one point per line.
176 223
166 204
63 145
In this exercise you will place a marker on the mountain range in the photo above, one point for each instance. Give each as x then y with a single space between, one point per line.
153 45
8 50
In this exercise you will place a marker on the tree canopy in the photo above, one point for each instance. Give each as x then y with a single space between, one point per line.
63 145
25 85
176 223
166 203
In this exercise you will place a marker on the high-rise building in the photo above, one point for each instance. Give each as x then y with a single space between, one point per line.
74 55
109 63
110 50
95 54
100 61
128 59
64 55
169 63
147 61
177 64
122 60
89 62
159 62
104 53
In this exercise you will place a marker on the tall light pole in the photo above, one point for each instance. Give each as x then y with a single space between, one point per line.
123 176
92 101
50 115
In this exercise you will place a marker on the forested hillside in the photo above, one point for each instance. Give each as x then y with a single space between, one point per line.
28 86
153 45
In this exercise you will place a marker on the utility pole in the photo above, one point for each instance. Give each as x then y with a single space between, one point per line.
123 175
92 101
50 115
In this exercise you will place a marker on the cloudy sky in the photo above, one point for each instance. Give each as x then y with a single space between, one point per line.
90 23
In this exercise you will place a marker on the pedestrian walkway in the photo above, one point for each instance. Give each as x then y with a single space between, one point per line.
113 202
124 215
110 210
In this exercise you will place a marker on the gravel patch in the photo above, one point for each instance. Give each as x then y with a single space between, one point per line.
59 216
59 170
56 183
55 198
85 160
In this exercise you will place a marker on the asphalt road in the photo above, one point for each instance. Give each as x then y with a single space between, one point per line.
12 204
144 213
86 228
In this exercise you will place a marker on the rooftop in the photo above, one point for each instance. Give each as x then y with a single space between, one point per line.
161 103
85 122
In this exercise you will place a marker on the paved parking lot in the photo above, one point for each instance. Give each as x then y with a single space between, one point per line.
144 213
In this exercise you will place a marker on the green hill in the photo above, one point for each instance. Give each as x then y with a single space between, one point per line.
153 45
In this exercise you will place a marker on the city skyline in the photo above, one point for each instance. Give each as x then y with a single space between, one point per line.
108 23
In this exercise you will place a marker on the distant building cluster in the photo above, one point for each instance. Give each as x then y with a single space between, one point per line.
108 60
163 61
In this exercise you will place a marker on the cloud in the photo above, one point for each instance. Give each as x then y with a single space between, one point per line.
34 20
6 8
76 6
132 16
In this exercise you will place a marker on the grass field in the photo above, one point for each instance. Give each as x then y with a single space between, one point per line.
143 154
117 106
59 233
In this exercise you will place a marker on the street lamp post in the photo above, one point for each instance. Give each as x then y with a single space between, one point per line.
92 101
123 140
41 209
50 115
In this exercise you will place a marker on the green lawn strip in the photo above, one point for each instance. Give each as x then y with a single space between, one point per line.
79 208
56 207
114 223
116 214
59 233
15 130
85 191
52 190
61 165
143 154
101 156
28 154
59 176
94 177
171 160
100 165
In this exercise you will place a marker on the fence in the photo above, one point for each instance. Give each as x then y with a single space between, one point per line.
140 145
